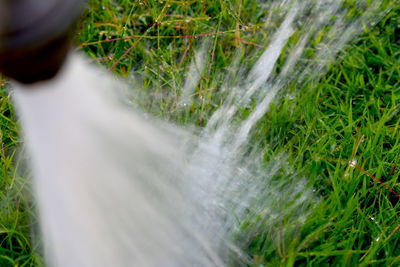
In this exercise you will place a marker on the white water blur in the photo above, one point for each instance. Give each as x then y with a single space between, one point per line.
108 181
116 187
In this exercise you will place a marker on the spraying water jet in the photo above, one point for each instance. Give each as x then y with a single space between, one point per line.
90 155
116 187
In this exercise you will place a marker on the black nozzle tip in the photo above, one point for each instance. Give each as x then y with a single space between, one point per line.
34 37
36 63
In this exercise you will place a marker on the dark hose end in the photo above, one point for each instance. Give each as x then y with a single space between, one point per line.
37 63
34 37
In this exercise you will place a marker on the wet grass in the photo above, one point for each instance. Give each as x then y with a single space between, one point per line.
341 130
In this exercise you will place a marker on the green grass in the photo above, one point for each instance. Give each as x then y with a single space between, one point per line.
352 111
15 209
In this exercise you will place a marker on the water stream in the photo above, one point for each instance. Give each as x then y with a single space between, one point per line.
117 187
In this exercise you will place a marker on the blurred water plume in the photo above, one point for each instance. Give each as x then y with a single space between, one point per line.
117 187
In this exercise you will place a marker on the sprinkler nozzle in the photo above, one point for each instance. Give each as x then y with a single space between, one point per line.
34 37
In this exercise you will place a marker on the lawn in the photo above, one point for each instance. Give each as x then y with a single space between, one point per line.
338 125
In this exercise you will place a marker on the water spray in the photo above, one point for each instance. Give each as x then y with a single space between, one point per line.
110 183
116 187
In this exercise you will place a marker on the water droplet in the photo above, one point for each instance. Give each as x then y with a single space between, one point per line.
333 147
353 163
